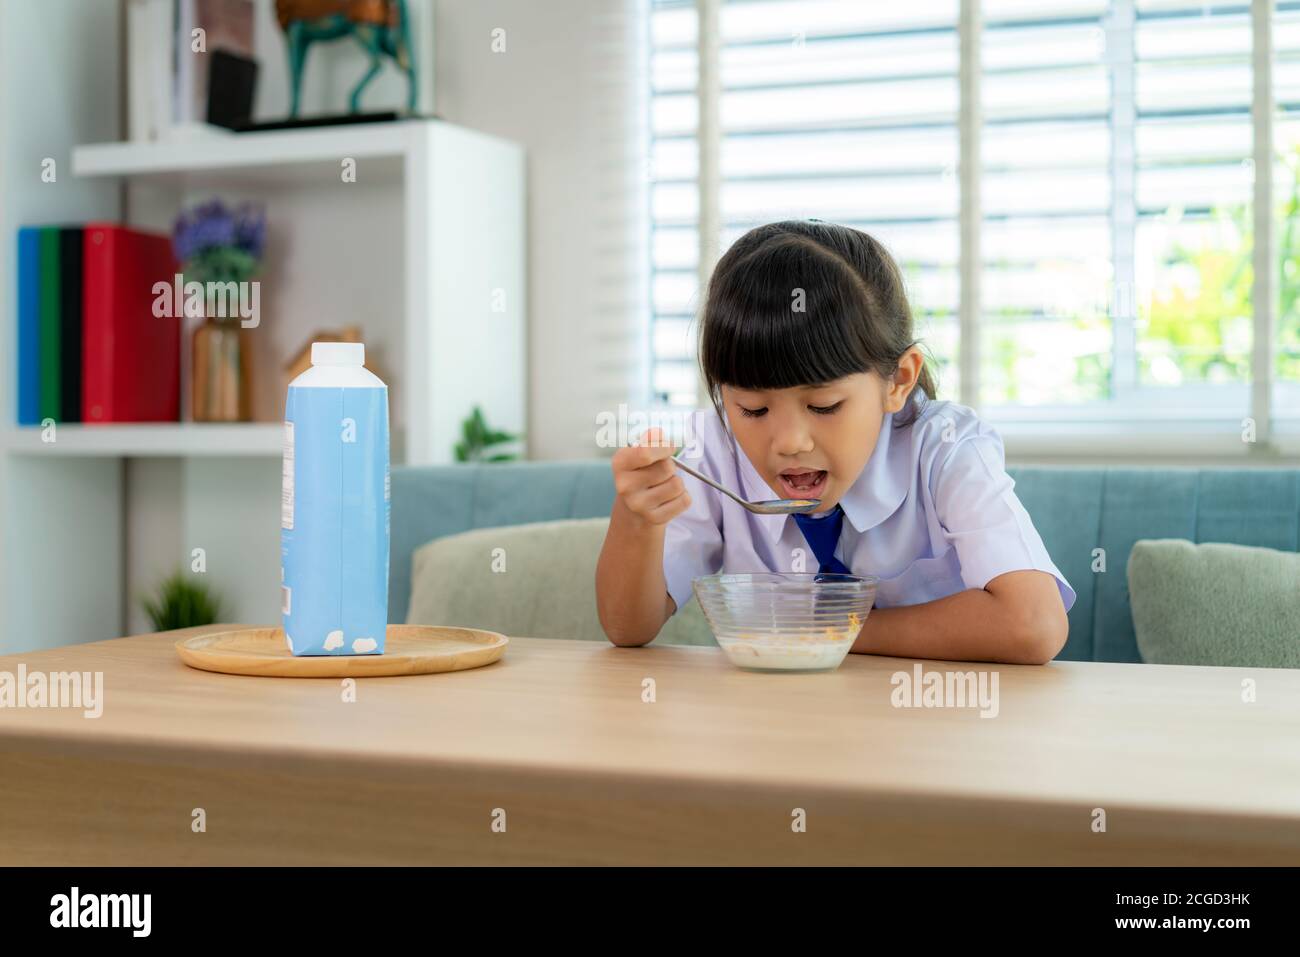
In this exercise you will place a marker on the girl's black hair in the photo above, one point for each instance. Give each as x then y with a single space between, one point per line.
855 316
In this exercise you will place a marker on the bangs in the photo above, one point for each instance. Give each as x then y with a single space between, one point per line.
789 315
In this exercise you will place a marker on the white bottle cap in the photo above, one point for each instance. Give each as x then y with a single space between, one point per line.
338 354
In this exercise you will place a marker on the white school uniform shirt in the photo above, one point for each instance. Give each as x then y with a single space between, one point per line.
932 513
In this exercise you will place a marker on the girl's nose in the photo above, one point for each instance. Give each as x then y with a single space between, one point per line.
792 439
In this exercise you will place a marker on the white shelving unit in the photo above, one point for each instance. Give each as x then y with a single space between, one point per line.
462 251
253 156
424 250
149 439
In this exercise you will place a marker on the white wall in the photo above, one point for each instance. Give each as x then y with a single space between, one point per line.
561 88
60 517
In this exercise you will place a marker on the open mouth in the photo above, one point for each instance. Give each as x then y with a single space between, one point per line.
806 484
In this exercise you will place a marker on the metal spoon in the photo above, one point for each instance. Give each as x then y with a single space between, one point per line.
778 506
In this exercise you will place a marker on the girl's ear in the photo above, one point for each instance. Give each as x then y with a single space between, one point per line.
903 381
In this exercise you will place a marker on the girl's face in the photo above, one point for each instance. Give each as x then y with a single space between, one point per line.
813 441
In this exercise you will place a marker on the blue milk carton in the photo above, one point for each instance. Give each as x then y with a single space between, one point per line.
334 509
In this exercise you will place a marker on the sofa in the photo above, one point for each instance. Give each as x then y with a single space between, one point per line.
1076 510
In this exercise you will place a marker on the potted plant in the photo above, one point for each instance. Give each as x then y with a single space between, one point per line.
478 441
181 601
217 246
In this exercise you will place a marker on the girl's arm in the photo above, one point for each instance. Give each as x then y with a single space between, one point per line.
1017 618
632 599
631 594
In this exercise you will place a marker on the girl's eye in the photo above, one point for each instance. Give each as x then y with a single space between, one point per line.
828 409
755 412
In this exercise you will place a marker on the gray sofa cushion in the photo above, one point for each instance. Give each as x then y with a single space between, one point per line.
536 580
1215 604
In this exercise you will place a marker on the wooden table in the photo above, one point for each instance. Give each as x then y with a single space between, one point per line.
556 742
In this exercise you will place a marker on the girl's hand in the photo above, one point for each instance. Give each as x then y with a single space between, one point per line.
647 483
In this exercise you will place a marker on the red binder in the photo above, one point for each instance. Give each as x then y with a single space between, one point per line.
130 361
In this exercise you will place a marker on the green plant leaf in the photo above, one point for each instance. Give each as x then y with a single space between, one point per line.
478 437
181 601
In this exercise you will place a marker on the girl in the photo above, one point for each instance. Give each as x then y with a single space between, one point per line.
820 391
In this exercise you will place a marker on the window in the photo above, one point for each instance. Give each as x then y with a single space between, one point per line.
1116 189
1286 204
674 202
847 109
1047 241
1194 200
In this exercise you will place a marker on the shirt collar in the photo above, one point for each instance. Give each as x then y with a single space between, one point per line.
877 493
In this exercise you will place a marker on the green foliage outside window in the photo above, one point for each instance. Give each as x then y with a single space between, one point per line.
1198 327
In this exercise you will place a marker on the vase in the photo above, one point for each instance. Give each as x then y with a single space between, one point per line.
222 375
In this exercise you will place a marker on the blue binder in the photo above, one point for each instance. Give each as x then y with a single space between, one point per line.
29 325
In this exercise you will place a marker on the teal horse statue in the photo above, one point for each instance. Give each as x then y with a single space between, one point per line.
382 27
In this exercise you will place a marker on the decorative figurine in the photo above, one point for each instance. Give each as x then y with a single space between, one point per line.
382 27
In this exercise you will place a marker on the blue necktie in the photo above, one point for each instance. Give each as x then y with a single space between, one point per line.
823 534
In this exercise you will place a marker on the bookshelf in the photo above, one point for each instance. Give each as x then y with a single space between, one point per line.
286 157
149 439
462 203
425 251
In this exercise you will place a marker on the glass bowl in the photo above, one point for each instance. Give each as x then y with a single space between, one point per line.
773 621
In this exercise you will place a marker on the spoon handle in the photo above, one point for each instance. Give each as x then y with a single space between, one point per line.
708 481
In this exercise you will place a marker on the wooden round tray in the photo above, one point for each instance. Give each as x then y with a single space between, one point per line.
408 650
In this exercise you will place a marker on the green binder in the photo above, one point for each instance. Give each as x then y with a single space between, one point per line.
50 406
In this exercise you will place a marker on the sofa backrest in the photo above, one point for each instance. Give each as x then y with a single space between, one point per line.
1077 511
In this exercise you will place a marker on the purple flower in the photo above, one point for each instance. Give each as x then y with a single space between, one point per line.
250 229
213 225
